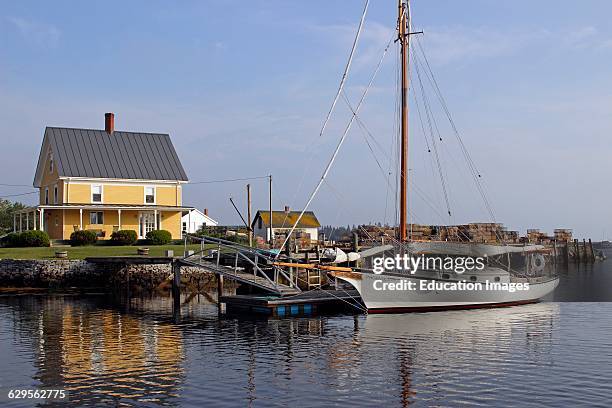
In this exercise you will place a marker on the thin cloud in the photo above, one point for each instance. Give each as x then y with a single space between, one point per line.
373 40
40 34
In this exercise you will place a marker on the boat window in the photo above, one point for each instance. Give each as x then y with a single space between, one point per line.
497 279
445 276
473 278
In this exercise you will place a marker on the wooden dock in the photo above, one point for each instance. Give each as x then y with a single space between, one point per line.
303 304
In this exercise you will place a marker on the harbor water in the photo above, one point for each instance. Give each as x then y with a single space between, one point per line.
107 351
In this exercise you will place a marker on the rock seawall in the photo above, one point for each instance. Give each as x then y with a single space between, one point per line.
55 273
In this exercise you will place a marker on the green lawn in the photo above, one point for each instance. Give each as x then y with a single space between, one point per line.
94 250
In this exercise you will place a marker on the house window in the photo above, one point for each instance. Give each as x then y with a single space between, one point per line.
54 194
46 195
96 217
184 227
259 225
96 193
50 163
149 195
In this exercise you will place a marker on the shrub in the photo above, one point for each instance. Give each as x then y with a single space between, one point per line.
159 237
83 237
124 237
11 240
34 238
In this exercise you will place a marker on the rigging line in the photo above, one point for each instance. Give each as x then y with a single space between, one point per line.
15 185
335 101
416 103
286 214
471 164
18 195
444 105
341 199
337 149
227 180
365 131
429 114
418 108
347 68
419 192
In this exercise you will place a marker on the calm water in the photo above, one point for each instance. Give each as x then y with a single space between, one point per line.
104 353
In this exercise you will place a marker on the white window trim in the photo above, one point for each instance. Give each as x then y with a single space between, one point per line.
101 193
144 197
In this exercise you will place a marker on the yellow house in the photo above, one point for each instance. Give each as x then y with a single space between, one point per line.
106 180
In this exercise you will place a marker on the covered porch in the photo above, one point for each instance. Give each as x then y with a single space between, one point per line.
59 221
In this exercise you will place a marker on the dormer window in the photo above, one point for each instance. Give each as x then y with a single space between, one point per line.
96 193
149 195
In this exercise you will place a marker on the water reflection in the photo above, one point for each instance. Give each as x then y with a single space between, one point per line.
106 352
99 354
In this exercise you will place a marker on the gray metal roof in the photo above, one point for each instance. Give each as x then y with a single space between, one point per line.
121 155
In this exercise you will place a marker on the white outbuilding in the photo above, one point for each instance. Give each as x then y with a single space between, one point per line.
193 220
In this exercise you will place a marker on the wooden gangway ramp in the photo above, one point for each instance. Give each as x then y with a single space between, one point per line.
241 263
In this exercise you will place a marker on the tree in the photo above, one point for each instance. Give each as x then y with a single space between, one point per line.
7 209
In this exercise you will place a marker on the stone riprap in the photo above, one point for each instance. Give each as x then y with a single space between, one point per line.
16 273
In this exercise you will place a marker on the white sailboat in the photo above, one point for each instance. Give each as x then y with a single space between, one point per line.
505 267
438 289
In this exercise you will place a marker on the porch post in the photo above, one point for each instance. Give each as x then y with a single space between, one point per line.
80 218
160 220
14 222
155 219
119 215
41 221
28 220
34 219
20 222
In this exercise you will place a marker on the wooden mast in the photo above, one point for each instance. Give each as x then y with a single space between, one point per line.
403 40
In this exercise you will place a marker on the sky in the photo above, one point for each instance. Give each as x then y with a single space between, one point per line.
243 89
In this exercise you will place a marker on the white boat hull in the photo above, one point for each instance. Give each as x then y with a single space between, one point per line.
431 300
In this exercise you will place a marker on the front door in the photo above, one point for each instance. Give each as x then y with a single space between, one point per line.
147 223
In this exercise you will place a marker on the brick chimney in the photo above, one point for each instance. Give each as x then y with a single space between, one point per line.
109 122
206 212
287 209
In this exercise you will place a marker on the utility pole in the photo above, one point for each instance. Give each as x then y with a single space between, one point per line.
250 230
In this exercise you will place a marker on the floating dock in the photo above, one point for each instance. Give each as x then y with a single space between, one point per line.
303 304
